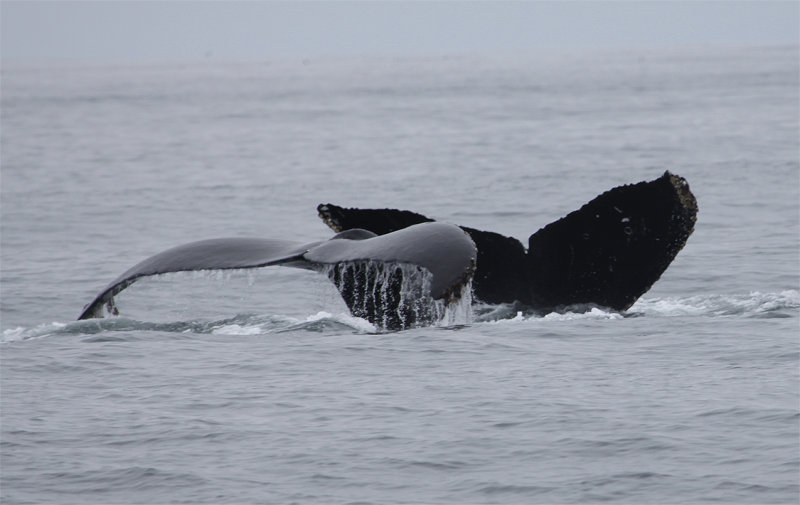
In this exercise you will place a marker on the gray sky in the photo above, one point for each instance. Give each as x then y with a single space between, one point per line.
187 30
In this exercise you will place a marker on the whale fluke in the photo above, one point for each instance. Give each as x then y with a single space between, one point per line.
614 248
607 253
355 260
221 254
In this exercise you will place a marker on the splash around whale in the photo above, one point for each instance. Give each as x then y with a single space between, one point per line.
399 269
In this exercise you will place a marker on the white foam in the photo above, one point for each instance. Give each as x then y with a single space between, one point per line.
458 312
356 323
289 323
594 313
670 306
21 333
753 303
14 334
236 329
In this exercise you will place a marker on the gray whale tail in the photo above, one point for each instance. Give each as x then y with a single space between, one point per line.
355 260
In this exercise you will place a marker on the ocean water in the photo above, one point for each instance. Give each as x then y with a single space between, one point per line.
259 387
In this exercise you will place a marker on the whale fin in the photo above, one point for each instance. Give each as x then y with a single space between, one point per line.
608 253
613 249
378 221
358 262
214 254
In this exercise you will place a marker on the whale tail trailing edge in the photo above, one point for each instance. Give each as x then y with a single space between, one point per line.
214 254
607 253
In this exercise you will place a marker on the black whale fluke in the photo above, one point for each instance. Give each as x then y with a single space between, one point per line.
607 253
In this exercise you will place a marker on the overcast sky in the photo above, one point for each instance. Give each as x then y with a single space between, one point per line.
186 30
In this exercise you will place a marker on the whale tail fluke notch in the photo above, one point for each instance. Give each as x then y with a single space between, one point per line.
607 253
500 258
378 221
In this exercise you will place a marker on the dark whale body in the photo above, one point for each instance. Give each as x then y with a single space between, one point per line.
607 253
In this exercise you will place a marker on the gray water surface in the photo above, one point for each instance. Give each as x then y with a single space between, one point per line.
258 387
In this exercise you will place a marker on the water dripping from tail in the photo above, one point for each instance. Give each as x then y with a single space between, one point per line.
396 296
